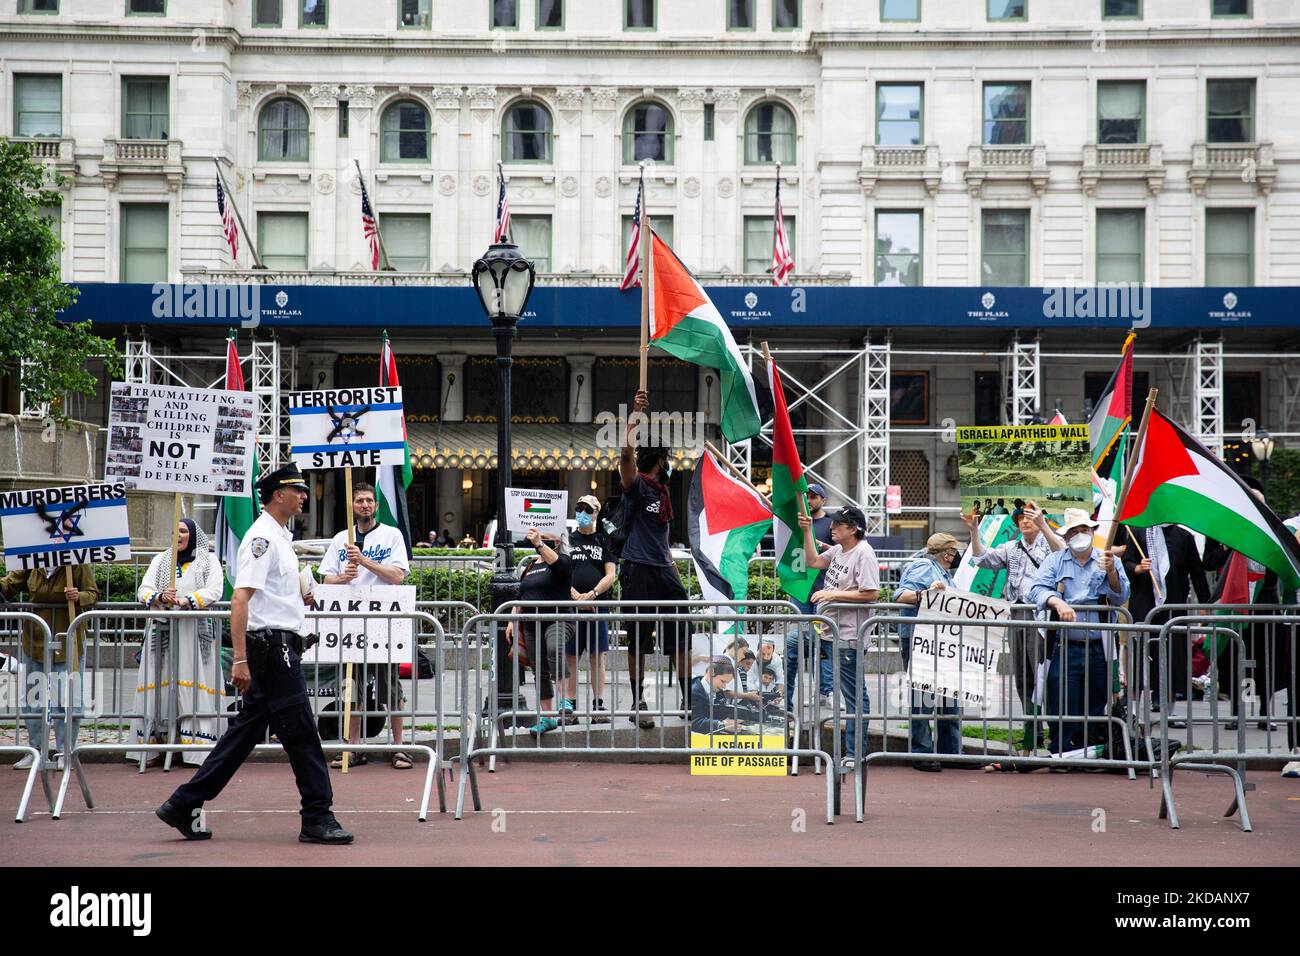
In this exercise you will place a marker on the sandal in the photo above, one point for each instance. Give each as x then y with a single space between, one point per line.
354 760
402 761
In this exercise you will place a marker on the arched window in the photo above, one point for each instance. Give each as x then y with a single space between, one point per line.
526 133
404 133
648 134
769 135
282 132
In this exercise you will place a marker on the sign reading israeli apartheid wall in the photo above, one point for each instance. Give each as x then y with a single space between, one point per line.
193 440
347 428
1003 466
372 640
543 510
956 643
53 527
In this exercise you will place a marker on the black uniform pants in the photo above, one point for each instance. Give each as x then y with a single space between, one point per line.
277 698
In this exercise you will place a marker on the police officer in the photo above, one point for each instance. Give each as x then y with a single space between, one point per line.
266 624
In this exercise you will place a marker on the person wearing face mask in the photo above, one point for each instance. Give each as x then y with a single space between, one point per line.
548 578
1078 677
933 571
594 573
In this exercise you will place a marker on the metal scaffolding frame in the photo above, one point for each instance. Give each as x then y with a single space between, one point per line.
1021 370
1207 396
873 454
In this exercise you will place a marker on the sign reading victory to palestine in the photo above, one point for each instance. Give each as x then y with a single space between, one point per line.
195 440
51 527
955 647
347 428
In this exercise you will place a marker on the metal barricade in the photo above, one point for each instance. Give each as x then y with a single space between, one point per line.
16 703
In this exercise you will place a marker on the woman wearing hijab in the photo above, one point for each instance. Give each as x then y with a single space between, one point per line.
196 665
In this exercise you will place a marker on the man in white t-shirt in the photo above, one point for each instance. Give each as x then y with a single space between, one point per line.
377 558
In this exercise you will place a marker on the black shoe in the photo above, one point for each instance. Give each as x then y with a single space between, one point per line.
1177 723
929 766
185 823
1265 725
330 833
960 765
644 721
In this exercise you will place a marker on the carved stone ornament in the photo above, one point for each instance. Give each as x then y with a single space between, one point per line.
691 187
446 97
482 97
726 98
604 98
481 185
324 95
691 97
447 185
569 98
360 97
325 184
569 186
726 187
603 187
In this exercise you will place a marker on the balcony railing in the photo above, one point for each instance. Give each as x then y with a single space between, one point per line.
1007 164
51 149
1127 161
900 164
610 280
148 156
1250 163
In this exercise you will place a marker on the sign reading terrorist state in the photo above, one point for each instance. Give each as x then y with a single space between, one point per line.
195 440
1003 465
955 647
53 527
347 428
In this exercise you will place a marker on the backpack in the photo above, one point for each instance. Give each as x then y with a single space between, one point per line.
616 522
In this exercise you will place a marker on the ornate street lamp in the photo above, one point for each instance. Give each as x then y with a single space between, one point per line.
1262 447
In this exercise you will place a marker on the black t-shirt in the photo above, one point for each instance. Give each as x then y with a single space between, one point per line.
547 582
589 553
647 539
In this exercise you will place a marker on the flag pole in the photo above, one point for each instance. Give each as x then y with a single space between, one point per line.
1131 466
379 233
346 731
767 358
646 246
776 226
230 197
735 472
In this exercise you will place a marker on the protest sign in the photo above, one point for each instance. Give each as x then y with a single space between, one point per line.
374 640
193 440
1003 466
543 510
955 652
58 527
746 713
347 428
990 582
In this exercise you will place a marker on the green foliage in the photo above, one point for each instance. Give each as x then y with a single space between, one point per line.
32 294
1284 482
430 552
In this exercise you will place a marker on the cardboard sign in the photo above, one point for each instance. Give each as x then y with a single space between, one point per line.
956 656
374 640
53 527
195 440
734 727
543 510
1002 464
347 428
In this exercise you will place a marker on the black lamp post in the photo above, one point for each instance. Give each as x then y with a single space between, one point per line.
1262 447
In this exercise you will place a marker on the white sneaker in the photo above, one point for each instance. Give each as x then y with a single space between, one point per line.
826 702
25 763
1292 769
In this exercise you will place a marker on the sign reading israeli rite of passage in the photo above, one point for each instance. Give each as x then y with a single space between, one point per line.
543 510
347 428
166 438
53 527
372 640
955 647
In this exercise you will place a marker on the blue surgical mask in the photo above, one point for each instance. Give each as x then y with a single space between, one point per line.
584 519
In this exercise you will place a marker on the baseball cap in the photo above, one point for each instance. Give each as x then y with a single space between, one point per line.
815 489
850 516
592 502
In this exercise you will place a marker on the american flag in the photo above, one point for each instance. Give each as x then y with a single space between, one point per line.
502 233
368 225
782 261
632 267
228 225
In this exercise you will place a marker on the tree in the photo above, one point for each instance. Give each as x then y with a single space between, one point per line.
44 354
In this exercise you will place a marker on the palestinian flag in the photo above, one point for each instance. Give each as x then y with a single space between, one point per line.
789 498
1178 481
537 506
391 481
1114 408
727 520
235 514
1058 418
685 324
993 531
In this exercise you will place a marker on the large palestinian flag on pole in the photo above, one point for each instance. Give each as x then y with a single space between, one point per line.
789 498
726 521
391 481
1114 408
235 515
686 324
1178 481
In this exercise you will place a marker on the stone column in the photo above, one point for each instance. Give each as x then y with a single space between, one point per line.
446 147
322 246
450 510
581 383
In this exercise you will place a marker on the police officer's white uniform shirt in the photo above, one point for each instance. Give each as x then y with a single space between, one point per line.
268 564
383 544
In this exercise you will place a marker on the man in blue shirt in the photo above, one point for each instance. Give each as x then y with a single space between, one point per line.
1079 675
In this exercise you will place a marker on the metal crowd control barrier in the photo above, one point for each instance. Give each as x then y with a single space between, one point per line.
20 683
557 617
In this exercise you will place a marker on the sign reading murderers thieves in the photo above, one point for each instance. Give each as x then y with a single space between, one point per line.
1003 465
54 527
543 510
347 428
193 440
956 656
374 640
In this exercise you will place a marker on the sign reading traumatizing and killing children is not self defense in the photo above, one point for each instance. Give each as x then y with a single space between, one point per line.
347 428
53 527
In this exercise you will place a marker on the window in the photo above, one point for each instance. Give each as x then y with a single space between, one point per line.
988 398
343 119
505 14
638 14
144 108
404 133
1229 8
708 122
785 14
1121 242
526 134
1006 114
267 13
759 240
550 14
144 242
1242 398
893 11
1006 9
1229 247
1121 111
648 134
532 234
38 106
663 225
39 6
414 14
313 13
1230 109
150 8
1121 9
282 132
1005 247
898 114
282 239
406 240
909 398
740 14
898 247
769 134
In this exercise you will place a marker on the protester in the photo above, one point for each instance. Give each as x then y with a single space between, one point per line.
709 699
932 571
852 577
188 650
594 573
648 571
1078 677
549 578
46 589
377 558
798 640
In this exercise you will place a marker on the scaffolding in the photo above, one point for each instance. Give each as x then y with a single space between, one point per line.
1022 369
1207 398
